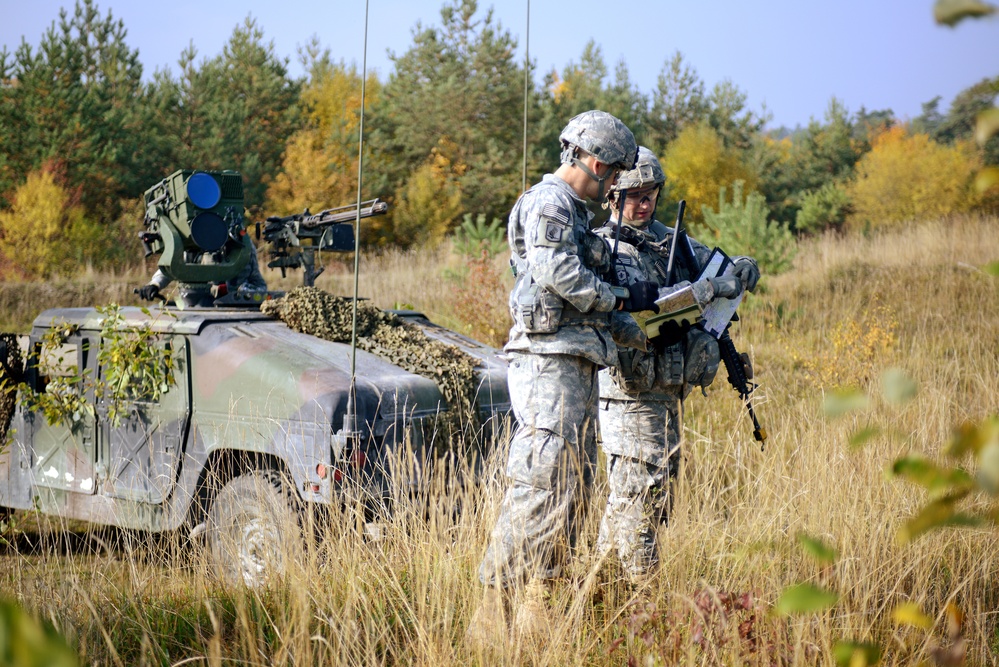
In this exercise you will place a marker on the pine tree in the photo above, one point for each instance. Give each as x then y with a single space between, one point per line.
460 83
677 102
74 107
233 111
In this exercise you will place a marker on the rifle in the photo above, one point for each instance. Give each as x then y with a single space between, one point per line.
326 230
736 364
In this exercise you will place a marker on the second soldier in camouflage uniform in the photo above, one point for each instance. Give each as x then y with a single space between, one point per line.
561 307
247 284
641 395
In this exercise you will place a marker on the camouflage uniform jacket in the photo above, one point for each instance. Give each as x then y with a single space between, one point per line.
559 304
639 261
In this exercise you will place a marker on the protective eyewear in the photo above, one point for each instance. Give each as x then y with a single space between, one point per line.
641 196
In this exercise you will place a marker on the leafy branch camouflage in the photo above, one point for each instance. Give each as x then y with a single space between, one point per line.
133 366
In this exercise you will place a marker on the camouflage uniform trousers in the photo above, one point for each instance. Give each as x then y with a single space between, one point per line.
641 439
550 468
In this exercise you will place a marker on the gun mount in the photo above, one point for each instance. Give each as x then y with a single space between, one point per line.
328 230
194 219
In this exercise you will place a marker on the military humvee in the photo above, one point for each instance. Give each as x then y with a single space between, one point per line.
259 421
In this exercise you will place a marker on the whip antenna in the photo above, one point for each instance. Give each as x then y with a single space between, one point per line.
350 419
527 78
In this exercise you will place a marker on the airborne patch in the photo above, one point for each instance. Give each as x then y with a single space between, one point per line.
556 224
553 232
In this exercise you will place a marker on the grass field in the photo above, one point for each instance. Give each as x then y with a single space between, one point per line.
916 300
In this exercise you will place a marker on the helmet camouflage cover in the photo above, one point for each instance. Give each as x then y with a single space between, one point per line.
647 173
601 135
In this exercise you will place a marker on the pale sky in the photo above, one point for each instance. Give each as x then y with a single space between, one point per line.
792 56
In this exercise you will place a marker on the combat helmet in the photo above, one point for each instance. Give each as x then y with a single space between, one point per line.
647 172
603 136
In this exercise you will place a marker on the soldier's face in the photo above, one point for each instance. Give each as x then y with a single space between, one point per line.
640 204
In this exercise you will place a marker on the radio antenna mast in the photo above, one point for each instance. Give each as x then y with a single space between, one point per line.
350 419
527 79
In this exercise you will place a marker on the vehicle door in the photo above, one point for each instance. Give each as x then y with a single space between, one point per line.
63 453
141 455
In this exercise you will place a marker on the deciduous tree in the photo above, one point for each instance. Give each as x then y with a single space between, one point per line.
319 168
44 232
911 177
430 204
698 165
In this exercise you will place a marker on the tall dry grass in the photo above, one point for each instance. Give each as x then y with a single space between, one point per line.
851 308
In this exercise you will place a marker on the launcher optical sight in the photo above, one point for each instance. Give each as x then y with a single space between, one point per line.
194 219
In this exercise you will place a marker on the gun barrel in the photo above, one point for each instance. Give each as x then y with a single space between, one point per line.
332 216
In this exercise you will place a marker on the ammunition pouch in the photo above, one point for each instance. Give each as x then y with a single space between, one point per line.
533 308
635 370
702 358
595 253
670 365
639 371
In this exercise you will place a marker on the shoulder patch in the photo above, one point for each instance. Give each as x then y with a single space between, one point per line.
553 232
554 225
555 213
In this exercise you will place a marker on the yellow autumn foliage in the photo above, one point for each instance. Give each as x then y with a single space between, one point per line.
910 177
856 349
428 205
698 166
319 169
42 233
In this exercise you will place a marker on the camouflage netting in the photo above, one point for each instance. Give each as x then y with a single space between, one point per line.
318 313
11 374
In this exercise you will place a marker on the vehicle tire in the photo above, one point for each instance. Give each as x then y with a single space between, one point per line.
254 536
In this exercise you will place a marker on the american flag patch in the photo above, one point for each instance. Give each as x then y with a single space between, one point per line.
555 213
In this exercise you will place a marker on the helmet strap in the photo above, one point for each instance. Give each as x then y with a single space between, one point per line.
589 172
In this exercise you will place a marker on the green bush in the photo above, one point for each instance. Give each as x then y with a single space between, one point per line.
822 209
741 227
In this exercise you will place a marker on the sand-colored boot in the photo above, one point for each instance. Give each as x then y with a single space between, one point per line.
488 628
533 621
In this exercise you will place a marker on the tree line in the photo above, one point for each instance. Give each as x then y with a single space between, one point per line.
82 136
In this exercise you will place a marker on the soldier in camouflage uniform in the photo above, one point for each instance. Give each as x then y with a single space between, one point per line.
247 282
641 394
561 305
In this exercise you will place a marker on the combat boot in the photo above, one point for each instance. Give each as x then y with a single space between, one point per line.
488 628
533 622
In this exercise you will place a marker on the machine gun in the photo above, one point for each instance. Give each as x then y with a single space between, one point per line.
327 230
736 365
